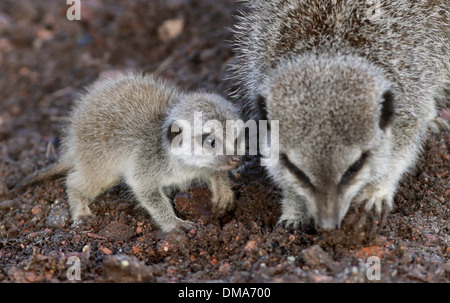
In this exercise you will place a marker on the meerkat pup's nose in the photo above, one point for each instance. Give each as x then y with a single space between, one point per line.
235 160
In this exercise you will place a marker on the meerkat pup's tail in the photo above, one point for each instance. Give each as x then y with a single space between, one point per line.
52 170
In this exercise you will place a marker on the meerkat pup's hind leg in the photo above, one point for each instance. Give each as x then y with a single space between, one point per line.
83 188
79 196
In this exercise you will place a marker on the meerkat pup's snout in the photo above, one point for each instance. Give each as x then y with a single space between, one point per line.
121 129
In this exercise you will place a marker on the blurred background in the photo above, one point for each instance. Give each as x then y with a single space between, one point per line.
46 58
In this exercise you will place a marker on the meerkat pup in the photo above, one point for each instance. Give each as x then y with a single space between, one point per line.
355 85
122 130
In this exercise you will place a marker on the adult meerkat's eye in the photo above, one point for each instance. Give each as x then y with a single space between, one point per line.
356 167
296 171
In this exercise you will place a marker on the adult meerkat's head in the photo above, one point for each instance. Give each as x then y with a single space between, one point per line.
335 116
198 131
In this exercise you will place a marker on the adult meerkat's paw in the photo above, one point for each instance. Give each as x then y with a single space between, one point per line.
289 222
376 195
294 222
294 214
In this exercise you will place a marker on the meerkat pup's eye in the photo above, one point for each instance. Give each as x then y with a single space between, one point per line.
356 167
209 141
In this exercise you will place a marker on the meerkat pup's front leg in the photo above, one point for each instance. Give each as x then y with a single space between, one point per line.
160 208
155 201
223 198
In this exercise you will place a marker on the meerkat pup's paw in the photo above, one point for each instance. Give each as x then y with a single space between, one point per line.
223 198
376 195
438 125
177 225
81 214
82 217
79 207
183 225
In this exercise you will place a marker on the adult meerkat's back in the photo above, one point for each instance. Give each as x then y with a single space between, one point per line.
121 130
355 86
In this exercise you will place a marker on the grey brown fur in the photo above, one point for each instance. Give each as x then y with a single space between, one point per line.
120 130
355 87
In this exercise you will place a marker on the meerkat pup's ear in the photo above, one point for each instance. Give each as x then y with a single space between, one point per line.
261 107
387 109
170 134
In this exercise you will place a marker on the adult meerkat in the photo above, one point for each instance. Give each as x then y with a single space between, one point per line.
355 86
121 130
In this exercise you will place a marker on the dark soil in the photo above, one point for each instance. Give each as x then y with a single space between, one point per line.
45 60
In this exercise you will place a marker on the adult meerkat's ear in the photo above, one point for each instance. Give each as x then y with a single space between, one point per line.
387 109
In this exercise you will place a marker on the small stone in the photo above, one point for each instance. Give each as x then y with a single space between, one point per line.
126 269
105 250
369 251
6 205
316 256
251 245
170 29
225 268
36 210
58 216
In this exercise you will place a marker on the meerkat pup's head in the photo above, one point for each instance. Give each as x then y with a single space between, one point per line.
334 117
198 131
